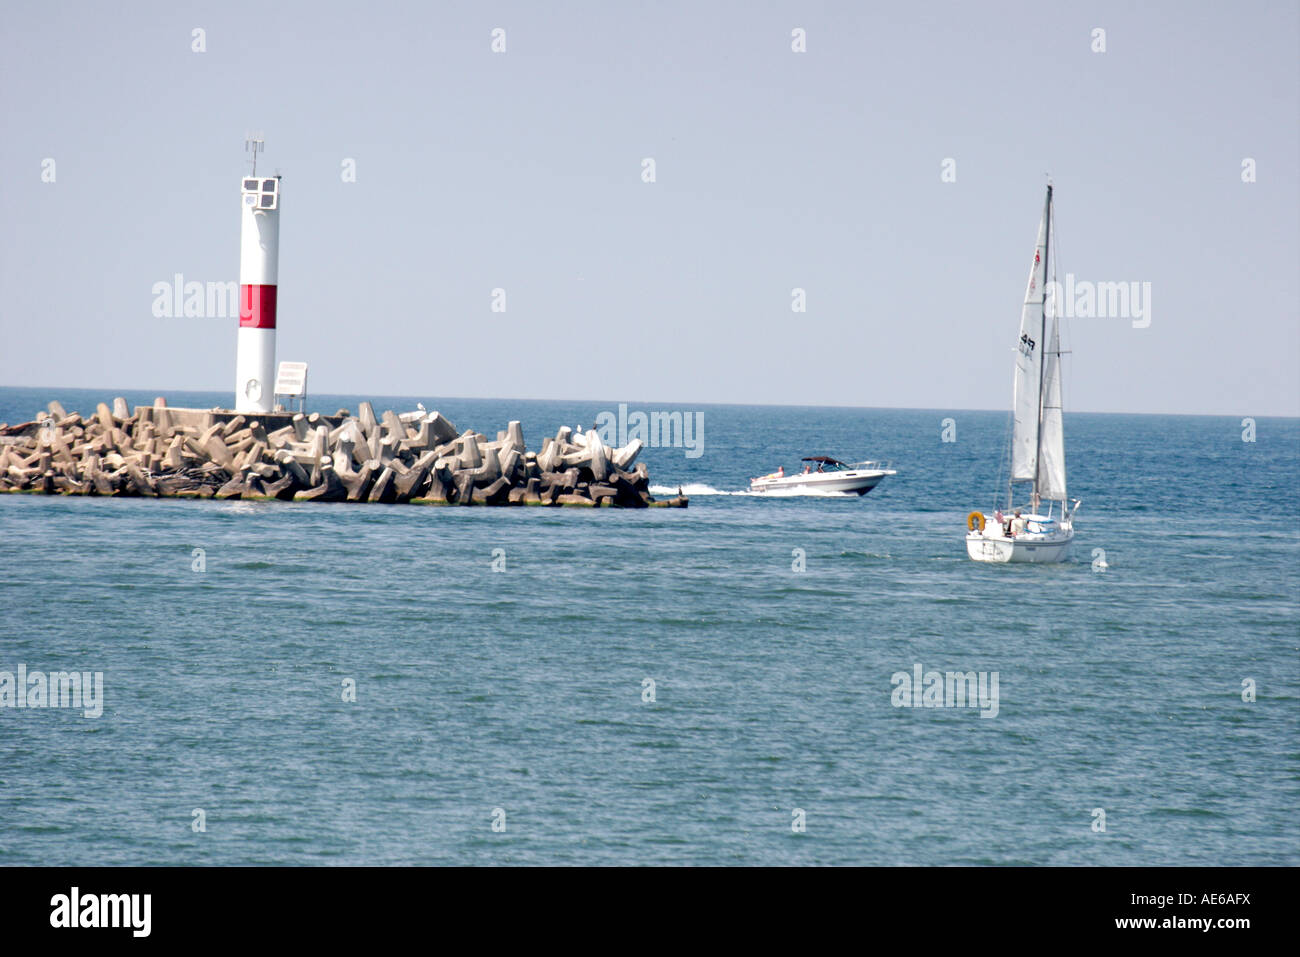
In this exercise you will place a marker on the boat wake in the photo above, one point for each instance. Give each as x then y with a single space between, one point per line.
695 489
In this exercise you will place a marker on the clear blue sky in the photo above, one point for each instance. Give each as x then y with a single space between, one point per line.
775 170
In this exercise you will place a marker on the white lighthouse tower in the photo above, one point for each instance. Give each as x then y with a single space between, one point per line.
259 260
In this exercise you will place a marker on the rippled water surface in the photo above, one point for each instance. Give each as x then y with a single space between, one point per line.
523 689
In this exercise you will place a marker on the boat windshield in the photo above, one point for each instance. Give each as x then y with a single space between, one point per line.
824 463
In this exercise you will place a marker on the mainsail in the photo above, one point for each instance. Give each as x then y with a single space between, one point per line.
1029 371
1051 460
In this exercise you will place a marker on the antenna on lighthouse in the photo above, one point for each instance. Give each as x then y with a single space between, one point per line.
254 143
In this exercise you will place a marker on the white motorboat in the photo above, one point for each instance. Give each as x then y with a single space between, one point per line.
1037 455
824 474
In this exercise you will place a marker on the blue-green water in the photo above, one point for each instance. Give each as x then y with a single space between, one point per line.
522 689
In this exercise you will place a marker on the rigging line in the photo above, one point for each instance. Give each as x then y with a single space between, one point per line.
1042 340
1005 459
1061 352
1063 348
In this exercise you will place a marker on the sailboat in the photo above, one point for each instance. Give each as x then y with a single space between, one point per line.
1042 528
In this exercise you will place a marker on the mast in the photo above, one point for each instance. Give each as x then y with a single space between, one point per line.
1042 342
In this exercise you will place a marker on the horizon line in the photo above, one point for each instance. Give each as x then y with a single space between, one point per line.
813 405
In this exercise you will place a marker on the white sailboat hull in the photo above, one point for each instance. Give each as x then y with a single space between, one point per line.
1039 549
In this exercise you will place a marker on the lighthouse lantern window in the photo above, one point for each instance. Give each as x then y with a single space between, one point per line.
261 193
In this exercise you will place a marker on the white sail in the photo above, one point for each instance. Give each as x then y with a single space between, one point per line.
1029 356
1051 462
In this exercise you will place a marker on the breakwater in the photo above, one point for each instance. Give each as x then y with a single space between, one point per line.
417 457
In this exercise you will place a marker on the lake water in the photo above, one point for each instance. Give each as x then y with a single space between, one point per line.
520 696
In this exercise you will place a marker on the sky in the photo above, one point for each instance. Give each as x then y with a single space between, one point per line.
894 171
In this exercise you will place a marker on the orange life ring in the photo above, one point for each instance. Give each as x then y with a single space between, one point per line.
974 519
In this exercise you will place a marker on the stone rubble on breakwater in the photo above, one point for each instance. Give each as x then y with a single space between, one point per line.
416 457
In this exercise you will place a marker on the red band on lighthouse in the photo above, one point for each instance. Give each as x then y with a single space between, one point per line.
257 307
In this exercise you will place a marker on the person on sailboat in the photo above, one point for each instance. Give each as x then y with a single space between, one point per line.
1017 525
